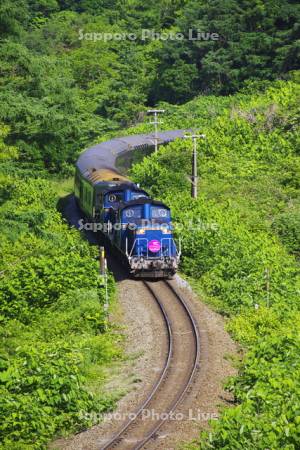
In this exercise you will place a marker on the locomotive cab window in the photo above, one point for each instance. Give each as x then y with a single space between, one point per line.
131 213
113 198
158 212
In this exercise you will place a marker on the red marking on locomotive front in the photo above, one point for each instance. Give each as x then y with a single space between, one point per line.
154 246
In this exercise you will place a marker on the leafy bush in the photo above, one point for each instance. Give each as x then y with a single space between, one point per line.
236 238
61 86
54 333
287 226
268 392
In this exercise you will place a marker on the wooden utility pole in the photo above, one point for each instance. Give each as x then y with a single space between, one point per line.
102 260
104 282
156 122
194 177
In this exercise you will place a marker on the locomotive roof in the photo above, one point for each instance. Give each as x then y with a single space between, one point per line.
103 175
125 187
104 187
104 155
142 201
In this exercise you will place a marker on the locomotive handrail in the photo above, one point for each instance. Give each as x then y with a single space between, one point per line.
137 240
159 254
169 244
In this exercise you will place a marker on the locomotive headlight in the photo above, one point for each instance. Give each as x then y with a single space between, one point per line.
141 231
165 231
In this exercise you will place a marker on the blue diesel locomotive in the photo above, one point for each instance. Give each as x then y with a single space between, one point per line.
137 227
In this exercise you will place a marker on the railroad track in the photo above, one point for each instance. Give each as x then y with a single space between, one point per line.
176 377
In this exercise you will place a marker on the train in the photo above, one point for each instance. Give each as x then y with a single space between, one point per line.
137 228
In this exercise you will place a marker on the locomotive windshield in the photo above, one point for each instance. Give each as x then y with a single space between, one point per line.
113 198
157 212
133 212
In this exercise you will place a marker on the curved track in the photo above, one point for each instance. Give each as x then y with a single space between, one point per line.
176 377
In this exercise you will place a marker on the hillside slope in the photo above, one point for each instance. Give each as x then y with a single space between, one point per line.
55 345
241 246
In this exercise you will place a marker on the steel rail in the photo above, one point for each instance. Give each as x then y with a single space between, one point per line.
192 374
180 395
118 437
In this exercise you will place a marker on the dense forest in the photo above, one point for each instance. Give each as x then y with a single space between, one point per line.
59 91
63 87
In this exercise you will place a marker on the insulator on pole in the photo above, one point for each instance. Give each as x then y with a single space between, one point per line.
156 122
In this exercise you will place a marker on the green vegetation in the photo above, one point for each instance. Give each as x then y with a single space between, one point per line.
63 88
54 343
241 247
